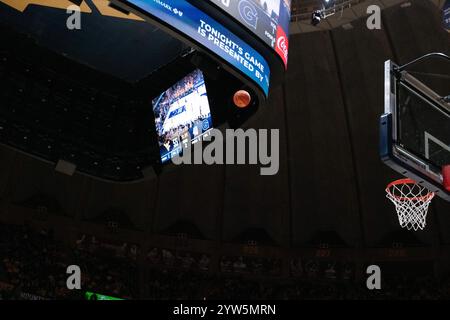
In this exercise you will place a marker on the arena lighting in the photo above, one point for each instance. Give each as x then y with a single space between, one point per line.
316 17
242 99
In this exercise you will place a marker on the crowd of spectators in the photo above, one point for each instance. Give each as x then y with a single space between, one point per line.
32 262
250 265
317 269
33 266
108 268
184 260
164 284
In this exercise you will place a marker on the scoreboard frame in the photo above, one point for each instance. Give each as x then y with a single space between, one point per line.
274 63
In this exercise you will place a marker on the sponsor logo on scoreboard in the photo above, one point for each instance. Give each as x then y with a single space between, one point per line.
282 47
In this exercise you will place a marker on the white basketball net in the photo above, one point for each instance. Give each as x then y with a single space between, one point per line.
411 203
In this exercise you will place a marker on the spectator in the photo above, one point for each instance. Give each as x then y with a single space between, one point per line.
239 265
204 263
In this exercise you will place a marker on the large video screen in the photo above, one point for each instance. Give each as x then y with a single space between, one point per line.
209 33
182 115
268 19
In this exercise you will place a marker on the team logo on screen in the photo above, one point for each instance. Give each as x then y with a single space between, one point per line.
248 13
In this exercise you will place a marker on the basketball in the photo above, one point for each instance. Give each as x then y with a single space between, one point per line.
242 99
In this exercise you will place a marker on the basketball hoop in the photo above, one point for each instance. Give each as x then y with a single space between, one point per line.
411 202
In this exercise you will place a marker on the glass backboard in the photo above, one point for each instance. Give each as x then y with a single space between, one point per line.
415 130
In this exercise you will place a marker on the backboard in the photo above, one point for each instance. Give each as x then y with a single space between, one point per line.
415 130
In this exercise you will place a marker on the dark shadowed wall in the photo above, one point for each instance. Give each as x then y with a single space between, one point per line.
330 177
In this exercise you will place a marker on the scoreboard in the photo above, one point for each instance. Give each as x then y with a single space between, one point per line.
267 19
182 59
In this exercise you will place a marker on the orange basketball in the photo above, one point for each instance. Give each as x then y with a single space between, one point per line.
242 99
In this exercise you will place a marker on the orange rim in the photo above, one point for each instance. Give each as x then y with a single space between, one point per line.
426 197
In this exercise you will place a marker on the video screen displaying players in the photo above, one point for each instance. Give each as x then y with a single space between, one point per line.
182 115
268 19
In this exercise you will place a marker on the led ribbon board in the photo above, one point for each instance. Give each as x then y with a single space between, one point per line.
206 31
267 19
